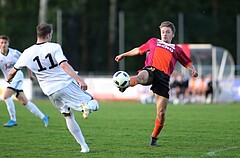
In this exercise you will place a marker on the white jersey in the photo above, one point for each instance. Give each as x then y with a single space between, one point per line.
6 63
43 59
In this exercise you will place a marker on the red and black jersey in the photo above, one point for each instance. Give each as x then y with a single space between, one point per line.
163 56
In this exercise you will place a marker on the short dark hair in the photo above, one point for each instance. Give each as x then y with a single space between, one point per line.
168 24
44 29
5 37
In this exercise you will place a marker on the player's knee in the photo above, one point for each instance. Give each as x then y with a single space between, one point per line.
142 79
23 103
5 97
66 114
161 115
145 77
21 97
22 100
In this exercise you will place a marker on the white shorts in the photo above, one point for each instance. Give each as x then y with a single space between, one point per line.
17 82
70 97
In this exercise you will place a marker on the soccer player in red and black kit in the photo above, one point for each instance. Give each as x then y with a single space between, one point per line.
159 65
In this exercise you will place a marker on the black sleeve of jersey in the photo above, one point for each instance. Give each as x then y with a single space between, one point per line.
16 68
62 62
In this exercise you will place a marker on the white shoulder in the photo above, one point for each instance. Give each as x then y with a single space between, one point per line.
52 44
14 52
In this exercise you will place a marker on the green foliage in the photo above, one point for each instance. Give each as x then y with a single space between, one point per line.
18 21
122 130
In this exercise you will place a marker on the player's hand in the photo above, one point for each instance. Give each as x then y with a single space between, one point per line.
118 58
8 81
192 70
83 85
194 74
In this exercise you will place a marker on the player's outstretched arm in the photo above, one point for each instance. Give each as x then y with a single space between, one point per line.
133 52
70 71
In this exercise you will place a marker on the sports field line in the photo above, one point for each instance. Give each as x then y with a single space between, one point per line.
213 153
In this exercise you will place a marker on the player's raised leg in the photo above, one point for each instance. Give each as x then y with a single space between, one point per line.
92 105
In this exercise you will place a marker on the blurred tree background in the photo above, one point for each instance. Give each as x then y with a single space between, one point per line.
90 28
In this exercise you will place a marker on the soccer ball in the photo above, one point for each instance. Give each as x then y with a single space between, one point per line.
121 79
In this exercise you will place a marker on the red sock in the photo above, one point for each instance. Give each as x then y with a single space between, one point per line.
133 81
157 128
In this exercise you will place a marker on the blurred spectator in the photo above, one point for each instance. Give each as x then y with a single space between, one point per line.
178 85
196 91
209 89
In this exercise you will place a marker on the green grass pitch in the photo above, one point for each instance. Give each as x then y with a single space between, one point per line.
122 130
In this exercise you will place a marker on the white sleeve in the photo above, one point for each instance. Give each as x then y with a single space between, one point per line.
59 56
18 53
21 62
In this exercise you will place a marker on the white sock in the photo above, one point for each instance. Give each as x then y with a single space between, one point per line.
75 130
11 108
93 105
34 109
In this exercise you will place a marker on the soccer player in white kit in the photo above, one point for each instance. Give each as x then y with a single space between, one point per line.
58 80
8 58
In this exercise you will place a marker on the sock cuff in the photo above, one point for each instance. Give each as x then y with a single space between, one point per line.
133 81
159 123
